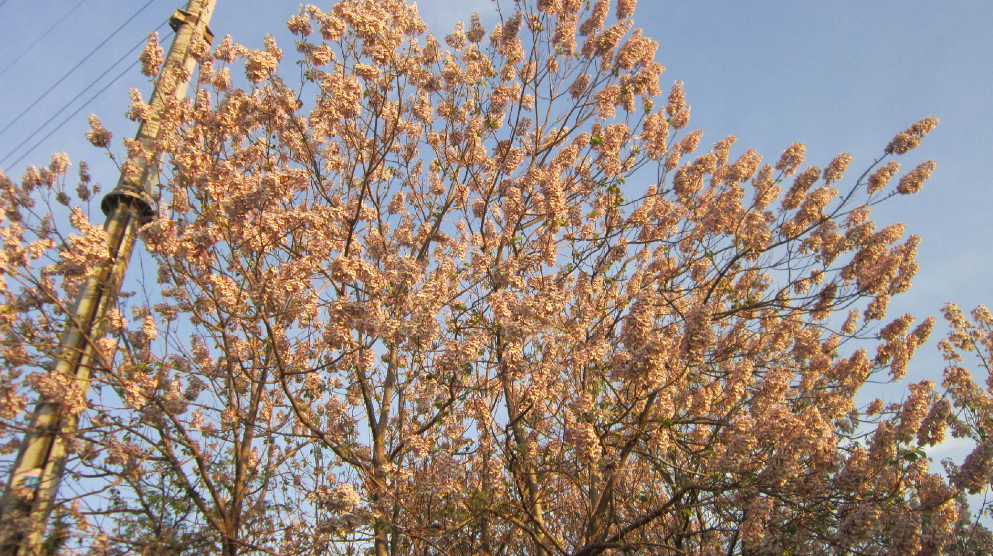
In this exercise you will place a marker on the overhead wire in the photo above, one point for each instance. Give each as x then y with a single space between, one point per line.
77 111
74 99
40 38
74 68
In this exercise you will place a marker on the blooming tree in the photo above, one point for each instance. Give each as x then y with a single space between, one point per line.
487 296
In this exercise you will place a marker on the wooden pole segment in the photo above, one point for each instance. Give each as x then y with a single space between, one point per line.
29 495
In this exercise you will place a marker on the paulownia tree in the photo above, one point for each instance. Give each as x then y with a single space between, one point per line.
488 296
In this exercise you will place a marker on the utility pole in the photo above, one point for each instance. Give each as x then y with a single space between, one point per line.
28 497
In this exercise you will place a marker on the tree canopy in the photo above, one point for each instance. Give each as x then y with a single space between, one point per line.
487 294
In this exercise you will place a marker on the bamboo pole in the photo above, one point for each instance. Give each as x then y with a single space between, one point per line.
29 495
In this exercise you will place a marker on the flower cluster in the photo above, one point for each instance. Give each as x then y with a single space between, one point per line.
151 56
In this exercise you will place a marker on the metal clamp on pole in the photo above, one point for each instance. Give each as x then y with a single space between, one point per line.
134 197
183 17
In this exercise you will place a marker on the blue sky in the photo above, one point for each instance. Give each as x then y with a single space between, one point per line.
840 76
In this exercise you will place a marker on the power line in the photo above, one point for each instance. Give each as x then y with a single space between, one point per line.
74 99
78 110
40 38
74 68
66 107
